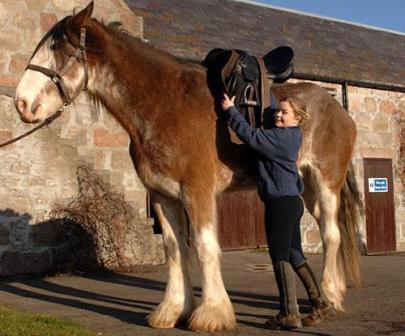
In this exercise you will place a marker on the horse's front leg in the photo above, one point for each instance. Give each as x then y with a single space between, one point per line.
178 302
215 313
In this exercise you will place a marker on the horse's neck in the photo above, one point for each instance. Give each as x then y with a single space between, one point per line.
122 85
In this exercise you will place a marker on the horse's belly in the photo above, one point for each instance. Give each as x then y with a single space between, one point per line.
235 178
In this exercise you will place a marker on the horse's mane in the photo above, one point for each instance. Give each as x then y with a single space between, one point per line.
134 45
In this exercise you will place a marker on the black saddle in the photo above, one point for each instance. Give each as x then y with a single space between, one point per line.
248 78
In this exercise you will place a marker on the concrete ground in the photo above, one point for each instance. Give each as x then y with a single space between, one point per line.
117 304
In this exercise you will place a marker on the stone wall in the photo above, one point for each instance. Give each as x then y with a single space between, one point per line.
380 120
40 170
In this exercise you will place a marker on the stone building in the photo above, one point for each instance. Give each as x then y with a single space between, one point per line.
362 64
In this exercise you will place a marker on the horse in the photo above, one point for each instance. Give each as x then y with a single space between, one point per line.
183 154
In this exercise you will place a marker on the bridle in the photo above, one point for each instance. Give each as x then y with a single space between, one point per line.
57 77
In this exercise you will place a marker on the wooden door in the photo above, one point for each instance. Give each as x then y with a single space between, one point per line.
379 203
240 220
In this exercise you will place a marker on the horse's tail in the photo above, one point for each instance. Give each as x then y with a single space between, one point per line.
351 207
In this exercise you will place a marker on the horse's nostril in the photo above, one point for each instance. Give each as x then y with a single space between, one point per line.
35 108
22 105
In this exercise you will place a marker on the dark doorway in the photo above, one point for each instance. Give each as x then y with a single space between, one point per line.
240 220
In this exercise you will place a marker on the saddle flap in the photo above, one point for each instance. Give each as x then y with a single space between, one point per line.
279 63
250 68
239 74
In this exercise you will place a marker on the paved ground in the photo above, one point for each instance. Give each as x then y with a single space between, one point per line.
117 304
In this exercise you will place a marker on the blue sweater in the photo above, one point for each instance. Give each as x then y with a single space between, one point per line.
278 152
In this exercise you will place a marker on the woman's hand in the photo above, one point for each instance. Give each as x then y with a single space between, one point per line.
227 102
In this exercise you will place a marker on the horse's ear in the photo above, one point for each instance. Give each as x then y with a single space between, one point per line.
84 16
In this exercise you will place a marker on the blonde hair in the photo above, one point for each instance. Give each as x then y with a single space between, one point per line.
298 106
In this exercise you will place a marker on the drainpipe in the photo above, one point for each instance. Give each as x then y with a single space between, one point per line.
345 96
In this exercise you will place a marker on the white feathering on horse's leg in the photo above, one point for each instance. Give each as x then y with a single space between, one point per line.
215 312
178 303
331 279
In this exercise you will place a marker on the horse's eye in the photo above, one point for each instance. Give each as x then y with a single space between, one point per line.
55 46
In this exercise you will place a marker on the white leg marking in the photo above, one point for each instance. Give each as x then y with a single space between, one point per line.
178 302
333 281
215 312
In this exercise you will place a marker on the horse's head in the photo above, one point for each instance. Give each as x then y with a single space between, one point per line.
57 70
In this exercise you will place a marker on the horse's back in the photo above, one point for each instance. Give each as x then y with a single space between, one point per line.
329 133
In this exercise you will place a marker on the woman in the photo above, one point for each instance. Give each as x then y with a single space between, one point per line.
279 187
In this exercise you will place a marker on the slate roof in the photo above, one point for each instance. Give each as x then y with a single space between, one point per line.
323 47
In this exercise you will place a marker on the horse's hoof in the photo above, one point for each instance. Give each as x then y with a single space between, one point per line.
210 318
333 294
158 322
163 317
168 316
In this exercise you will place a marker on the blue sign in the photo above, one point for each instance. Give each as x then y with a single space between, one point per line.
378 184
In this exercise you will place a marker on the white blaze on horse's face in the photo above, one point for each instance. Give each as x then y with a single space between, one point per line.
37 97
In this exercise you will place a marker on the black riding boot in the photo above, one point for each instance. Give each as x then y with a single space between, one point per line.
322 308
289 316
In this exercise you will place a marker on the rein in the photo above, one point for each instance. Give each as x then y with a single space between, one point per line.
56 78
46 122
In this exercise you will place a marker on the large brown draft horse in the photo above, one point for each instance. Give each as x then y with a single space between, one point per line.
184 157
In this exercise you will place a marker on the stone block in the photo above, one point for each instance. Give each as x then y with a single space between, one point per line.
362 120
96 156
381 123
370 105
20 168
312 237
47 21
5 135
355 103
24 20
18 63
107 138
121 161
8 80
63 5
79 136
387 106
380 153
36 5
116 179
9 40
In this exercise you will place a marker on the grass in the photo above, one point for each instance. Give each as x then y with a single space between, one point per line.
17 323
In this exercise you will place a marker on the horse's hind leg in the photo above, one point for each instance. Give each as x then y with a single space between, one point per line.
323 204
178 302
215 313
333 279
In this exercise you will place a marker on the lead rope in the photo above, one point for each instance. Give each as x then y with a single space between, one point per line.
46 122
